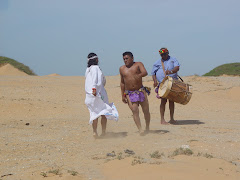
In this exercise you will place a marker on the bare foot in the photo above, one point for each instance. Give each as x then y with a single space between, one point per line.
103 134
163 122
173 121
141 132
147 130
95 135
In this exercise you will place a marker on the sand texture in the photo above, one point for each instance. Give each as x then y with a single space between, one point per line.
9 70
44 132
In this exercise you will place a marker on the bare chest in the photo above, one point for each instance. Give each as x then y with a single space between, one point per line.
129 72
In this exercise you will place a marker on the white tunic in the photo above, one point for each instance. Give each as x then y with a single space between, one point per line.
98 105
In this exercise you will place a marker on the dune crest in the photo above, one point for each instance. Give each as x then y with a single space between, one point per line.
54 74
9 70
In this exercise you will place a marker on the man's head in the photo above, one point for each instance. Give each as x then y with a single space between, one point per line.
164 53
128 58
92 59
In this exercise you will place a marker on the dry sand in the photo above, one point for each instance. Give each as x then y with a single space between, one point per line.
44 131
54 74
9 70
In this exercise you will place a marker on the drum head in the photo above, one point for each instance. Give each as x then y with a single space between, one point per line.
165 87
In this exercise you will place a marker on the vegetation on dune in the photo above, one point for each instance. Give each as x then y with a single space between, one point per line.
228 69
16 64
182 151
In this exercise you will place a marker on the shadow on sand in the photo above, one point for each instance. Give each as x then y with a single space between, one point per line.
110 135
188 122
157 131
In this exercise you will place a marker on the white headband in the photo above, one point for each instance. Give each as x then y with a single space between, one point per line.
92 58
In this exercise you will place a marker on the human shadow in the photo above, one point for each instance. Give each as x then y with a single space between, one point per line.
188 122
110 135
156 132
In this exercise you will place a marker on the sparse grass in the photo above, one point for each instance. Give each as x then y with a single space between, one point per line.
156 155
73 173
137 160
55 171
16 64
192 140
182 151
43 174
119 156
206 155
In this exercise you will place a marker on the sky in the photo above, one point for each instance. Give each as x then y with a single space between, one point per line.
55 36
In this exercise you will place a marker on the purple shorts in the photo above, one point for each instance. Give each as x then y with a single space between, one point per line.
136 96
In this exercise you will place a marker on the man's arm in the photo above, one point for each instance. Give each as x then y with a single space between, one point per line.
175 69
155 83
122 85
143 71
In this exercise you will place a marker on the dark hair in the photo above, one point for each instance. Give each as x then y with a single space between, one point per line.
92 61
128 53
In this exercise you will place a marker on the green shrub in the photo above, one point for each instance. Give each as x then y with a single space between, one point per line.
180 151
228 69
16 64
156 155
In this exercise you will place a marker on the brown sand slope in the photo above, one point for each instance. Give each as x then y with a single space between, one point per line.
180 168
44 128
54 74
9 70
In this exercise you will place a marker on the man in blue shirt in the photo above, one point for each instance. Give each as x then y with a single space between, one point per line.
171 66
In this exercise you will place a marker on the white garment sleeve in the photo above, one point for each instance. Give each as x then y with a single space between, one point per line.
104 80
96 77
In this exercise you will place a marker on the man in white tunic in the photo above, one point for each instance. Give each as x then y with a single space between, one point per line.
96 96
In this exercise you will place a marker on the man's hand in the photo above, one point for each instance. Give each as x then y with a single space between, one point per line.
155 84
124 99
154 80
168 72
94 92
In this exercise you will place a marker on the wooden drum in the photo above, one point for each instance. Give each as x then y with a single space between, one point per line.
175 90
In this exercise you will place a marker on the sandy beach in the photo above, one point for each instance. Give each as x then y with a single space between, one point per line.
45 134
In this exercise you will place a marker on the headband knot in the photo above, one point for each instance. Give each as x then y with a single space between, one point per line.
92 58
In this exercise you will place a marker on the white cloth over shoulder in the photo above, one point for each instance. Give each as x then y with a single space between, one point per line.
98 105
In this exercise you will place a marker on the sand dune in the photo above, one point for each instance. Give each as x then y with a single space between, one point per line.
9 70
45 132
54 74
180 167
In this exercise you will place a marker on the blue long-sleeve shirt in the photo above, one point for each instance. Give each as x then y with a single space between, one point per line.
168 65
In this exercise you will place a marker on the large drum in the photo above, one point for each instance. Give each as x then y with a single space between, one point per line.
175 90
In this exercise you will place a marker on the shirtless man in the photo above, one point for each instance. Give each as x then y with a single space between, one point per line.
132 89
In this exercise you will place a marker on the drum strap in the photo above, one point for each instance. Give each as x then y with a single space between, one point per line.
165 72
163 68
180 78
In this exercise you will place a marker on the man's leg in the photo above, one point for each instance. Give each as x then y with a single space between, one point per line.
104 125
145 109
162 110
135 110
94 125
171 108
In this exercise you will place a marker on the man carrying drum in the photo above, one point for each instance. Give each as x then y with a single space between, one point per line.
165 66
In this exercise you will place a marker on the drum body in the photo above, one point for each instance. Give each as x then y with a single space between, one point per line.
175 90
